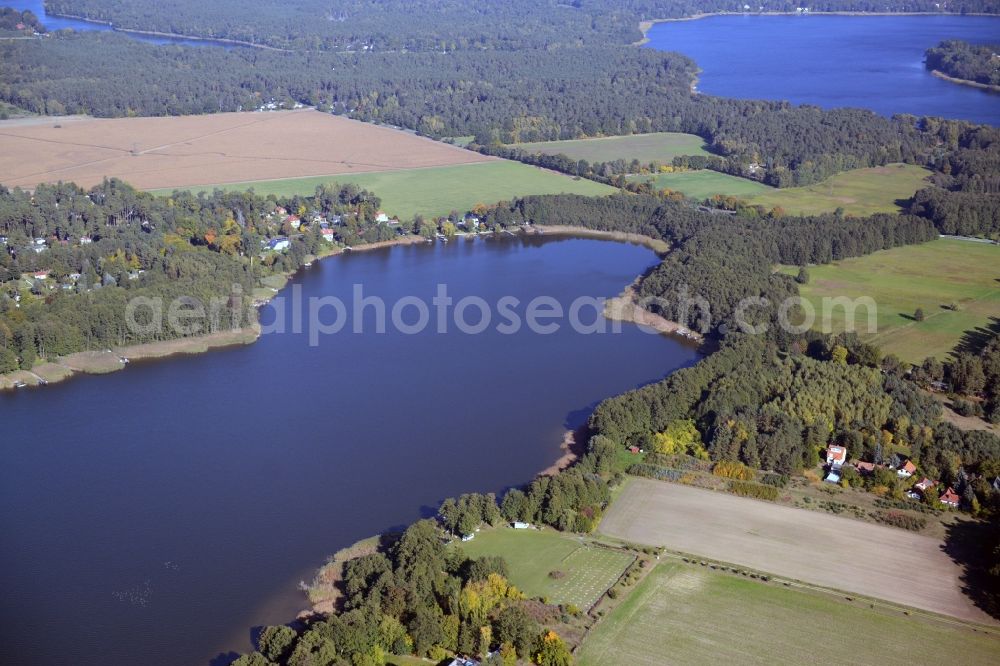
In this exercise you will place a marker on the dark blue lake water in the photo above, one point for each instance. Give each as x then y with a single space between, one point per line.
154 515
874 62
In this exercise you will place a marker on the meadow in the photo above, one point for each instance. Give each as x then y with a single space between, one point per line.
931 276
685 613
659 146
531 555
703 184
858 192
436 191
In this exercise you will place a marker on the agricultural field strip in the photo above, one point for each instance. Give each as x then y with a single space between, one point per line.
822 549
191 150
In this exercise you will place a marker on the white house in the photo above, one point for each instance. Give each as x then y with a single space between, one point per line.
469 537
906 470
518 525
327 235
836 456
39 246
86 240
381 216
278 244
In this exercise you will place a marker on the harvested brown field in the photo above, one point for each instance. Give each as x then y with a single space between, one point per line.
817 548
153 153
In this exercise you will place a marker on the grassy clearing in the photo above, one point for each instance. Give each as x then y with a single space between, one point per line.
660 146
436 190
859 192
684 613
532 554
703 184
929 276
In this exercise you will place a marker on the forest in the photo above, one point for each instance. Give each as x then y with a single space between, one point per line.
979 63
433 25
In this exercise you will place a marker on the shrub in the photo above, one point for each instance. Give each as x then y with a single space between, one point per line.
900 519
556 575
755 490
733 470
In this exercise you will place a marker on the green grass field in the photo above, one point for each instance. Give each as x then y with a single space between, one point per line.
660 146
435 191
858 192
685 614
927 276
703 184
532 554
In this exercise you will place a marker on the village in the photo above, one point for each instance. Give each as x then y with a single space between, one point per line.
931 492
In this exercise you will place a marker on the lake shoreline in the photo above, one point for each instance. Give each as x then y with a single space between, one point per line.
965 82
96 362
658 246
221 41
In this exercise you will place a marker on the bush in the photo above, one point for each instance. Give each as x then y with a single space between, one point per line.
900 519
967 408
733 470
755 490
556 575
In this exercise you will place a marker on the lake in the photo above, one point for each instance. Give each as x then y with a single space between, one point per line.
156 514
874 62
53 23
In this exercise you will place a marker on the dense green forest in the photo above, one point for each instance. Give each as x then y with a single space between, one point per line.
970 62
439 25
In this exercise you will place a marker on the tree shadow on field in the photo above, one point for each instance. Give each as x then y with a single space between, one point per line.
973 341
970 544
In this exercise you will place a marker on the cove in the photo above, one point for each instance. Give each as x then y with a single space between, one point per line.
872 62
156 514
53 23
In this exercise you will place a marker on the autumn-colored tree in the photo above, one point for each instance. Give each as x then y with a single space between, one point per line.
680 437
552 651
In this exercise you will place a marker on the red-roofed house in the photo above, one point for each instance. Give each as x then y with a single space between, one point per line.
327 235
864 468
836 456
950 498
906 470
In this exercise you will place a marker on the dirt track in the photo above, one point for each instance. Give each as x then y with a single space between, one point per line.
817 548
211 149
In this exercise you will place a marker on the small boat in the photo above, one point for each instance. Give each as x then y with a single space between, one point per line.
19 384
308 264
123 359
43 382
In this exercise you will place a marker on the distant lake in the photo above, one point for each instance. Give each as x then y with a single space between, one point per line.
53 23
154 515
874 62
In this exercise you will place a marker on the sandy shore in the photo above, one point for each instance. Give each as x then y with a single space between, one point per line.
658 246
625 307
965 82
103 362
